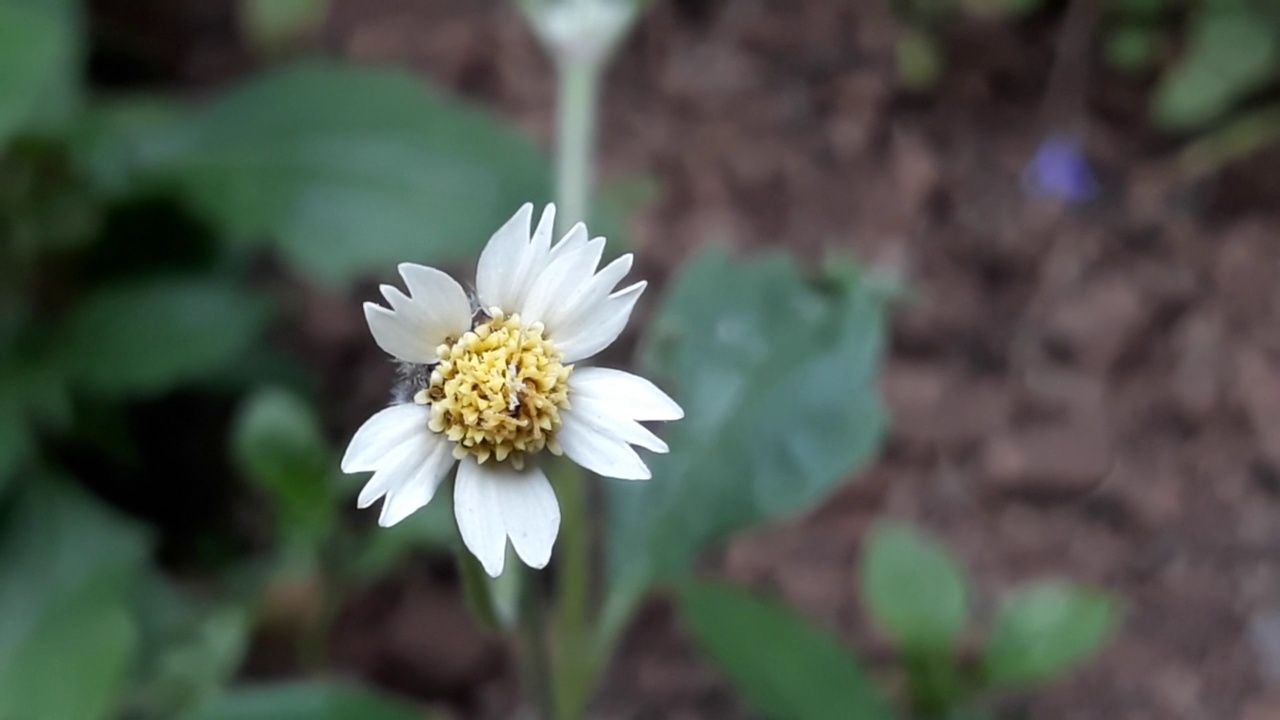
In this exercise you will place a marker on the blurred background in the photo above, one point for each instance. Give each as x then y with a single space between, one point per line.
1081 198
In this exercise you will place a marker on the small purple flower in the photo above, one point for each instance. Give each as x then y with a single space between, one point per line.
1060 170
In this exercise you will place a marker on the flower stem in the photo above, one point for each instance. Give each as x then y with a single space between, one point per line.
578 93
575 662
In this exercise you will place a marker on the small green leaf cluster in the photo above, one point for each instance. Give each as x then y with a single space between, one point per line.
920 597
147 246
786 667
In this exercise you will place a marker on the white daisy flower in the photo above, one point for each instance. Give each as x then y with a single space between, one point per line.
493 388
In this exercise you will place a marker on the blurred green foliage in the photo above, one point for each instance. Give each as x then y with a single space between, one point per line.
137 383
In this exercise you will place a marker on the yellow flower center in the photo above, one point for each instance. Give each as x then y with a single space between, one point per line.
498 391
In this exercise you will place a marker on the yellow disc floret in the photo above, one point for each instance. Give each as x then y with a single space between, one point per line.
498 391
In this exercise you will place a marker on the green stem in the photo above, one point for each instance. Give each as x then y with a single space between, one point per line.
575 665
578 94
575 662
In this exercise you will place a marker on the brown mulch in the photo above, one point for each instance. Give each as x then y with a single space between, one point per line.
1092 393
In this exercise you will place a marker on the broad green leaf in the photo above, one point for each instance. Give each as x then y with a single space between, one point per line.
305 701
273 25
148 337
1045 629
67 568
784 666
913 589
35 43
72 662
350 169
278 443
777 380
1231 53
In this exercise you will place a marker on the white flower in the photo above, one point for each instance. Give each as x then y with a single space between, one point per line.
493 388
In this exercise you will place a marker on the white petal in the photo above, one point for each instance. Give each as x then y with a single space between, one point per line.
572 240
604 418
595 291
421 470
398 336
381 434
596 329
634 396
502 257
564 278
438 298
598 452
494 501
513 259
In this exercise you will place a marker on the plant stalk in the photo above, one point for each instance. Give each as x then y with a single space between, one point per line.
575 663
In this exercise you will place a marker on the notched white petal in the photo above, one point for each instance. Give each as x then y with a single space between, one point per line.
560 283
398 335
600 453
502 257
596 328
423 470
494 502
633 396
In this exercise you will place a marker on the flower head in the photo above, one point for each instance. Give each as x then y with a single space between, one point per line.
496 382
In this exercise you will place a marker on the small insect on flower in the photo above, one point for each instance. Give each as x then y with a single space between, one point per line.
490 386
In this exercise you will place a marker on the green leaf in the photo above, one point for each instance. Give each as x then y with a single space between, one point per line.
784 666
278 443
274 25
1045 629
349 168
777 380
67 567
34 45
1231 53
913 589
148 337
305 701
81 636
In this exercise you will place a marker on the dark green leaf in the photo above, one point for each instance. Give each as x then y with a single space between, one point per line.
1045 629
785 667
149 337
777 379
1231 54
913 589
35 43
306 701
350 169
278 443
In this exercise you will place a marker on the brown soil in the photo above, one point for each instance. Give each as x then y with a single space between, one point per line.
1091 393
